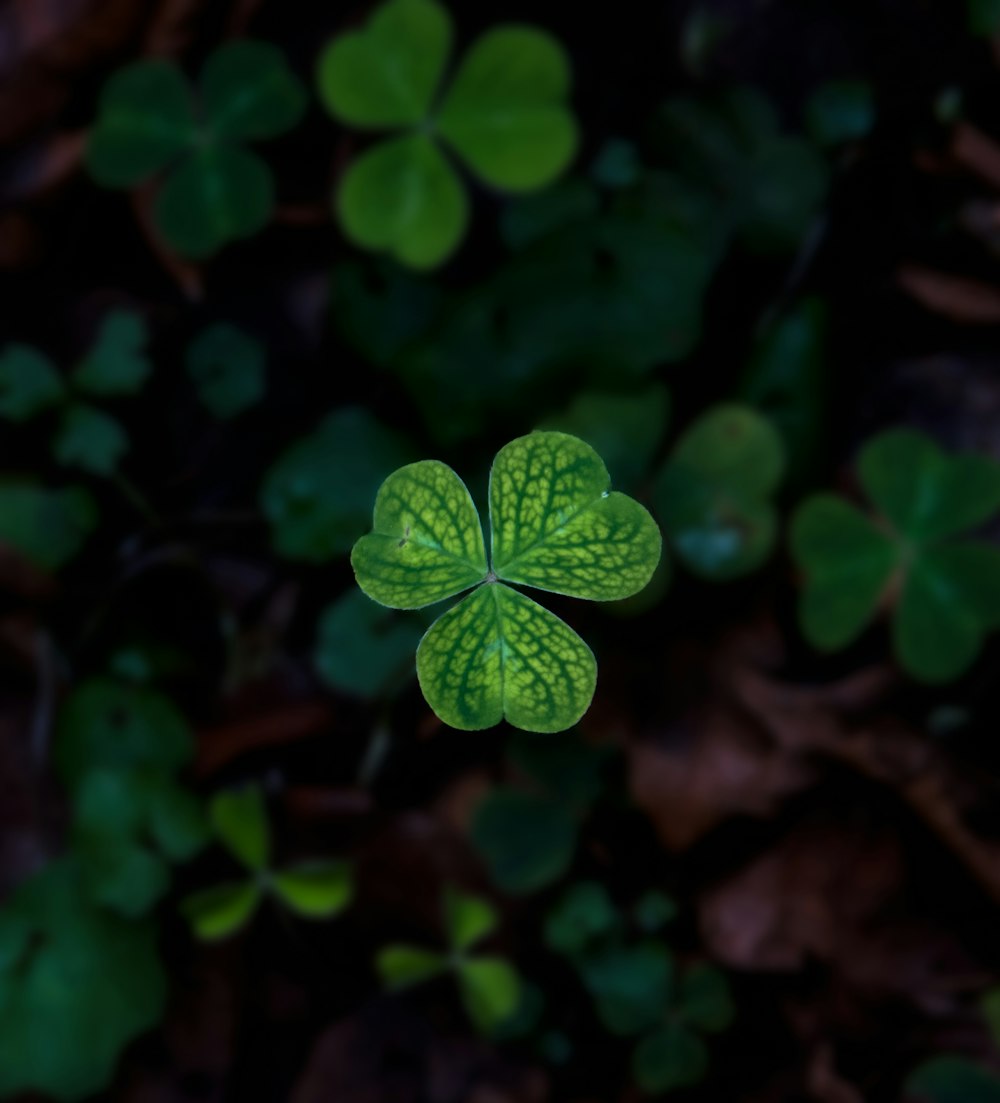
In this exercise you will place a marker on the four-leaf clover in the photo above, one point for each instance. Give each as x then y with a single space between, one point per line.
556 526
944 593
149 121
503 115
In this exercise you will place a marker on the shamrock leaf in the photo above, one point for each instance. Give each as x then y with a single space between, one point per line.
953 1079
630 985
117 364
944 593
582 917
312 889
318 494
364 649
489 986
47 527
503 115
149 123
90 439
714 493
555 525
768 186
227 367
29 383
77 984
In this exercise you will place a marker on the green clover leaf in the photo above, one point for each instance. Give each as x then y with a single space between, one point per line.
29 383
150 122
714 494
228 369
77 984
503 115
47 527
90 439
489 986
944 593
312 889
555 525
117 363
953 1079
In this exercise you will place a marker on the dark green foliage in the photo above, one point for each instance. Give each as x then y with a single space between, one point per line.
151 122
76 985
911 557
318 495
228 368
48 527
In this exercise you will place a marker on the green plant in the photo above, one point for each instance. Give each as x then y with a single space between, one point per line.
636 988
313 889
228 368
528 836
840 111
364 649
950 1078
503 114
715 492
556 526
983 17
47 527
943 592
489 986
77 984
85 436
150 122
317 495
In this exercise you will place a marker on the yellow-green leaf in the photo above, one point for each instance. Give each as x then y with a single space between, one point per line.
491 990
557 525
499 655
315 890
427 541
221 910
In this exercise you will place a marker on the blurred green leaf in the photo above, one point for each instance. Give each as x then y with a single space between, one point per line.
787 380
625 429
504 112
222 910
381 308
583 915
363 648
565 764
90 439
47 527
945 593
401 966
983 17
990 1007
249 93
704 1000
714 494
508 122
117 362
318 495
491 991
228 367
315 889
669 1057
769 186
617 164
840 111
239 817
386 74
216 191
114 725
402 197
529 218
528 841
630 985
952 1079
29 383
146 118
77 984
218 195
468 919
654 910
119 837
